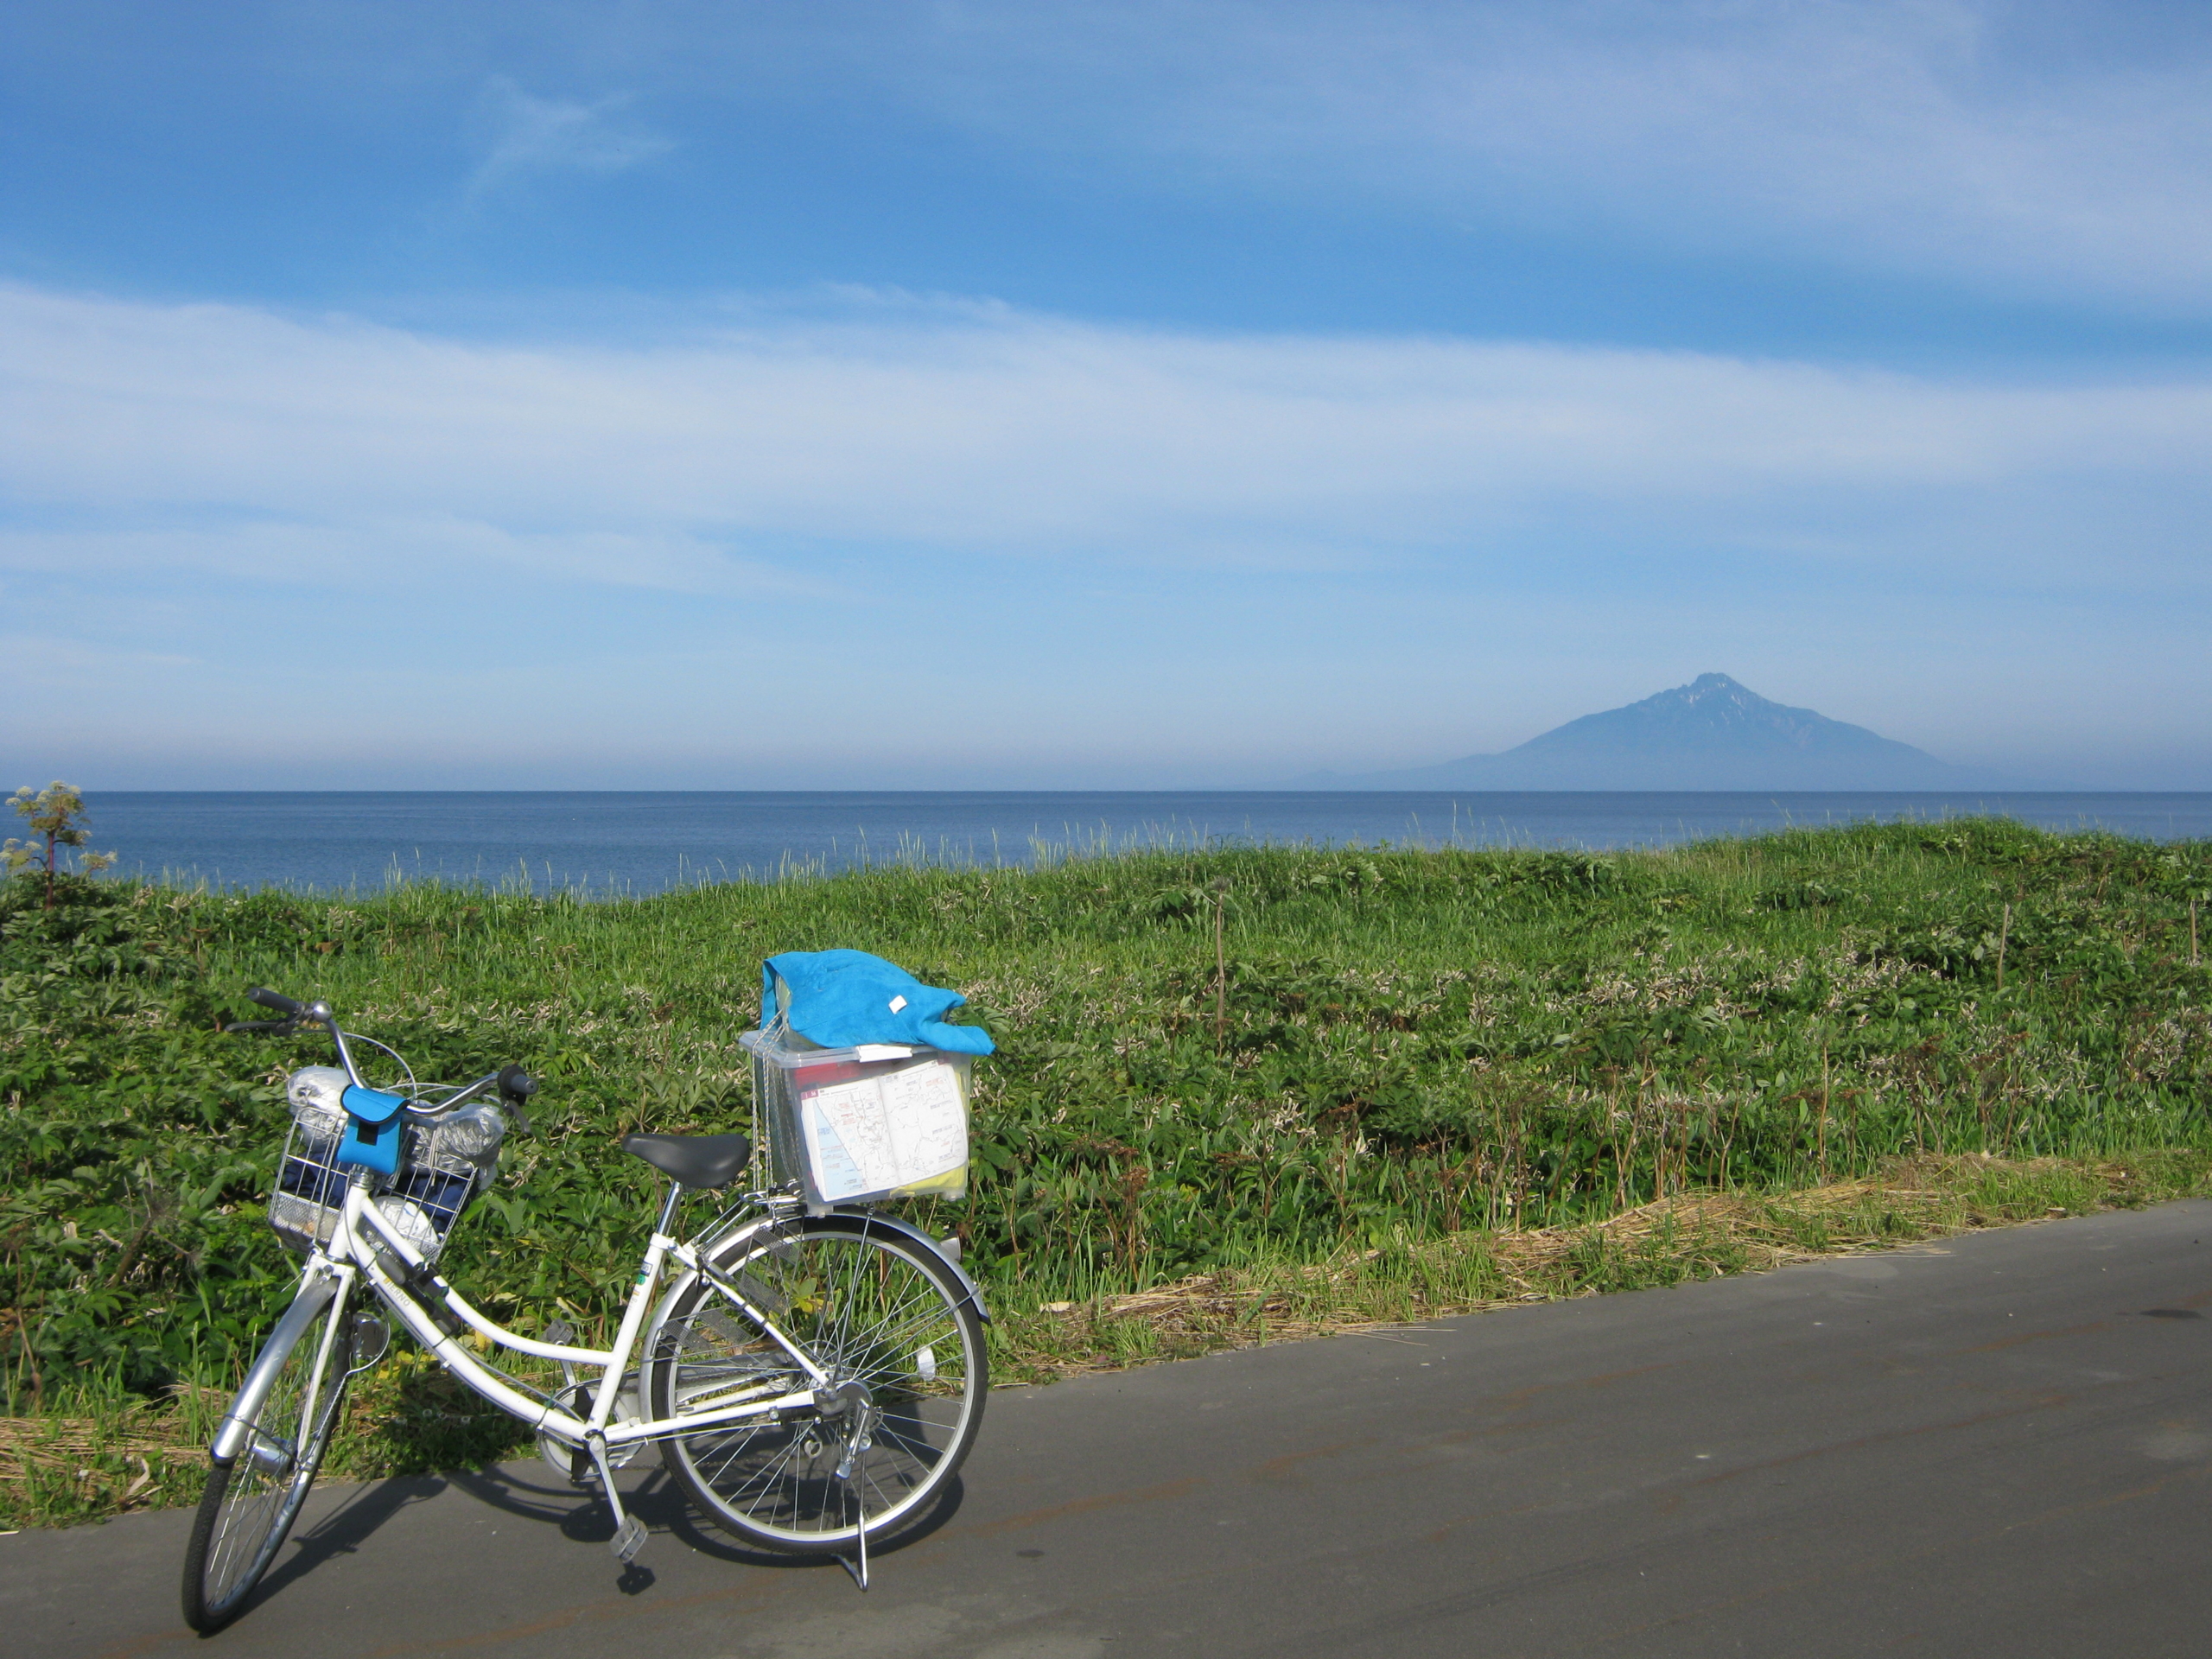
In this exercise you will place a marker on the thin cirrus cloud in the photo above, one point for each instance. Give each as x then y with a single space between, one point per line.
2058 151
522 134
2055 150
142 433
426 549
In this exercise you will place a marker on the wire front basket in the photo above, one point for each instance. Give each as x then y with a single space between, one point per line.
444 1162
310 1187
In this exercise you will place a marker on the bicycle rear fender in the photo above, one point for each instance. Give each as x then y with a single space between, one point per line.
230 1439
862 1224
907 1231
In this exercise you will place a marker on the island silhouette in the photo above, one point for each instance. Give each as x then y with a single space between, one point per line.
1713 733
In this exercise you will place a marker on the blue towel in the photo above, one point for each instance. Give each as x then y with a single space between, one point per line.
843 998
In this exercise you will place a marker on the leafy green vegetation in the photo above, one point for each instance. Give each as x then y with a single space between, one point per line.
56 816
1337 1084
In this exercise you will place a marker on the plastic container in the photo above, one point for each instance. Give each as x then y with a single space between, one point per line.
861 1125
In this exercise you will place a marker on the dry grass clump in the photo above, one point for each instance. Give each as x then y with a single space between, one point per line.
141 1454
1683 1237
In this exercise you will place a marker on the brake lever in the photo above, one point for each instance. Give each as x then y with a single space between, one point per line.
286 1026
515 1086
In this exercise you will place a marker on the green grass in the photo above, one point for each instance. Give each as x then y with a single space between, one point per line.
1421 1054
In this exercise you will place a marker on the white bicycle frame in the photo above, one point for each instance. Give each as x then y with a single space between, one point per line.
362 1234
613 1364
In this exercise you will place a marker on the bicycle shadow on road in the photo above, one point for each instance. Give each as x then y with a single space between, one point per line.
681 1521
529 1492
578 1514
345 1529
534 1494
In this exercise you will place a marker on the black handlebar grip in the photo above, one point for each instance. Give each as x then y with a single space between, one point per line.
277 1000
517 1083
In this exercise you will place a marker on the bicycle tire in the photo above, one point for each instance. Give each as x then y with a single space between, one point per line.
248 1508
874 1309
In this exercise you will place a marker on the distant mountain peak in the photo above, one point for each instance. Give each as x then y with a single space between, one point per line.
1713 716
1713 733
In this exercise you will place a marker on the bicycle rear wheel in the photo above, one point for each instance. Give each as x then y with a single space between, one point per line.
252 1501
903 1346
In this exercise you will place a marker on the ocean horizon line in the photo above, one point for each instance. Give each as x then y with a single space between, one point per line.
598 842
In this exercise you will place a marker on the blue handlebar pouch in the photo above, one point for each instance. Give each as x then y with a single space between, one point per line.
373 1130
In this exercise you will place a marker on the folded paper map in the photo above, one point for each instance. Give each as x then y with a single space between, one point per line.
879 1134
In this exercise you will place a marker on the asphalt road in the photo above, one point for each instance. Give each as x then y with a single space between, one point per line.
2002 1445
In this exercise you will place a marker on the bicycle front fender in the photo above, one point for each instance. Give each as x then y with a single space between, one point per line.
230 1437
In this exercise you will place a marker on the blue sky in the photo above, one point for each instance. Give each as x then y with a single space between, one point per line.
1121 395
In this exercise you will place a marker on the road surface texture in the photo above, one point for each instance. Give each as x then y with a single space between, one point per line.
2001 1445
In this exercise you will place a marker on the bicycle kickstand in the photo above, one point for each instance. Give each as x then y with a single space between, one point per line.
850 1475
629 1532
857 1565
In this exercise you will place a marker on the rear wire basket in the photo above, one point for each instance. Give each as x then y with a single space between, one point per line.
423 1200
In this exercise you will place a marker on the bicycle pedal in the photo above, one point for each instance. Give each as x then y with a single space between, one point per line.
629 1538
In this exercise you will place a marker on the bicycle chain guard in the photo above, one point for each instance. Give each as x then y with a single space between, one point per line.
573 1463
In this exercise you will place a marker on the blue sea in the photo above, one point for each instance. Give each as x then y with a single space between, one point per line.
611 843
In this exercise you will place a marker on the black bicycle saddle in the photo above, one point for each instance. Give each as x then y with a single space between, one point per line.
701 1160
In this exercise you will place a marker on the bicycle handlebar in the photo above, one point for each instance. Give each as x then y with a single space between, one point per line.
516 1085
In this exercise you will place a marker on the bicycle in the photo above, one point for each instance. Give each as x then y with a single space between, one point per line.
813 1376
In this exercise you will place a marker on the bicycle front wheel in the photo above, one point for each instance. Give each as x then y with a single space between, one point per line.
252 1501
903 1347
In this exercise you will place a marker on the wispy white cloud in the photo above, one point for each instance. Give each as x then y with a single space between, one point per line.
1317 540
190 427
42 659
2060 150
366 551
524 133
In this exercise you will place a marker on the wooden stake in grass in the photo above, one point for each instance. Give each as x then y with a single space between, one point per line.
1825 1087
2192 930
2004 932
1220 959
